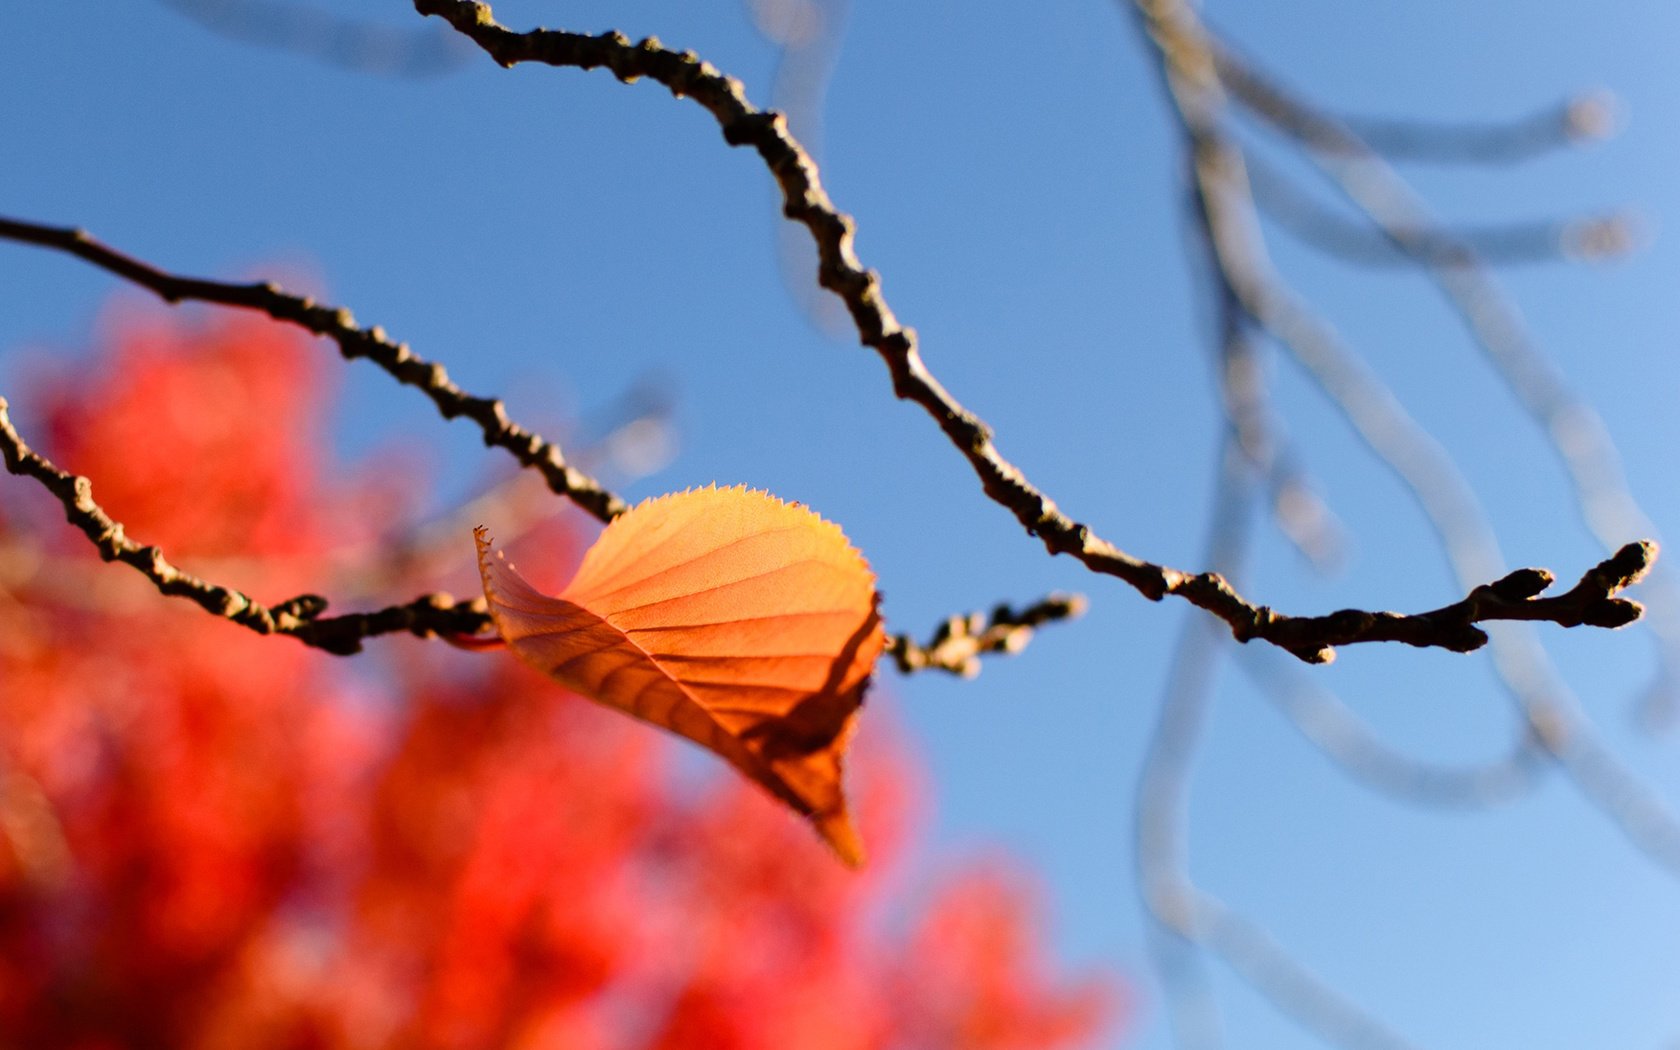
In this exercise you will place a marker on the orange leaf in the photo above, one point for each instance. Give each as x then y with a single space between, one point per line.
743 623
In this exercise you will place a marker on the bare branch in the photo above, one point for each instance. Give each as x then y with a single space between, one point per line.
339 325
1226 212
959 642
299 617
683 74
955 648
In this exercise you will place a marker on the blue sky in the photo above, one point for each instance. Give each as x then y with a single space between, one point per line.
555 237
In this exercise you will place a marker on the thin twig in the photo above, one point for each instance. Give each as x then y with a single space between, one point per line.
1313 639
959 642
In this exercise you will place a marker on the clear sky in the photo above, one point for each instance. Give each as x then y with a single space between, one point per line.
556 237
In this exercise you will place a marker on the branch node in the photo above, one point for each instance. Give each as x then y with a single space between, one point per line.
303 608
1612 613
1520 585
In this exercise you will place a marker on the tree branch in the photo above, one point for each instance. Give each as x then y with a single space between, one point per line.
956 645
1576 433
339 325
299 617
1196 80
959 642
684 74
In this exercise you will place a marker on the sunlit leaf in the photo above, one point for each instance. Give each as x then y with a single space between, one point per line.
741 622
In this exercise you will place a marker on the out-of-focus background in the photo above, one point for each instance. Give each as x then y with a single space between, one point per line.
561 239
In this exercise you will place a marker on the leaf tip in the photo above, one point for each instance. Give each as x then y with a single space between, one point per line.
841 835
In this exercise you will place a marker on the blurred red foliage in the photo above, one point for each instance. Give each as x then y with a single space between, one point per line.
212 839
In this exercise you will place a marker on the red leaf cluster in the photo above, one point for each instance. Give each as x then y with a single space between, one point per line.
212 839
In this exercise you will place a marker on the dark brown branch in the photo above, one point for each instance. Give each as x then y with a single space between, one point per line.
959 642
299 617
1576 433
1225 210
805 201
339 325
956 646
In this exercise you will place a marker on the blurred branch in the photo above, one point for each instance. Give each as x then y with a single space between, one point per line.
1575 432
1303 517
299 617
1311 638
1316 712
1160 812
1296 508
339 325
1189 919
959 642
1587 117
1589 238
1227 220
808 35
1269 967
360 47
1325 721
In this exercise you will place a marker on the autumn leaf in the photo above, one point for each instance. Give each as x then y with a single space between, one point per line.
741 622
